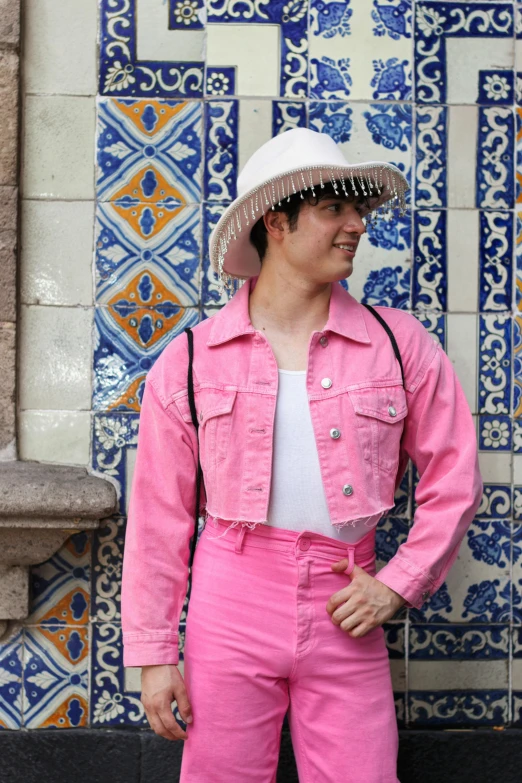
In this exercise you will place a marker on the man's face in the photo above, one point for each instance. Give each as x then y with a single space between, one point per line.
325 241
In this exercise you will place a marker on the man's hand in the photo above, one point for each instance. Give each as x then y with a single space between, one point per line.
364 604
160 686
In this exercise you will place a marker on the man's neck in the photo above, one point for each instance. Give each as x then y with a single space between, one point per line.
289 306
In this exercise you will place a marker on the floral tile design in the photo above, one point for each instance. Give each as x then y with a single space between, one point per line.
458 46
11 653
111 703
459 642
494 381
125 70
466 671
115 690
478 586
221 141
286 53
55 677
107 563
430 260
114 438
335 29
431 156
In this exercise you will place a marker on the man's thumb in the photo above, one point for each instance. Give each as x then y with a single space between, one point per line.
342 565
185 710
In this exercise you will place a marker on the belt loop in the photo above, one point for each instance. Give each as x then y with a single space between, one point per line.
351 559
239 538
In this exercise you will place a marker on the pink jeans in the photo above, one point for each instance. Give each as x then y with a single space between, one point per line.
259 642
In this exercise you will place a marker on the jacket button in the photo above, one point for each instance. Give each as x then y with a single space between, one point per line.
335 433
326 383
392 411
324 341
347 489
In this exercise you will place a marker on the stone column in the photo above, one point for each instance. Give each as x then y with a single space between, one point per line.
9 175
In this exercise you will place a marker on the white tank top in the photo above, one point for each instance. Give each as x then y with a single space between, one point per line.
297 499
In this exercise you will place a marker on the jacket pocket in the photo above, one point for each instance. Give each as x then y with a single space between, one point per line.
215 411
379 416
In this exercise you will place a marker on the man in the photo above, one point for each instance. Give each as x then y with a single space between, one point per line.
308 414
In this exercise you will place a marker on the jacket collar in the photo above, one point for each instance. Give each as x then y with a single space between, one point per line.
345 316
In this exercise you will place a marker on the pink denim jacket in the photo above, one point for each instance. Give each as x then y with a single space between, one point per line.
354 384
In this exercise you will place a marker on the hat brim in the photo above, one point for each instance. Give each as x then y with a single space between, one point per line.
229 241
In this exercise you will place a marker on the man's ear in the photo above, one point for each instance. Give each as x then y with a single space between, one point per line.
275 223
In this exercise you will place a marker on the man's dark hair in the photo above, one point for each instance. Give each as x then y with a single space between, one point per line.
258 233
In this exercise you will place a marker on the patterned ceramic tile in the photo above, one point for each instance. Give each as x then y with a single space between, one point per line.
430 157
221 142
149 151
429 260
112 702
148 257
60 594
55 677
517 573
496 470
211 296
336 27
115 438
478 587
11 653
495 158
135 56
463 673
278 30
495 260
107 562
457 46
115 690
459 642
129 337
495 364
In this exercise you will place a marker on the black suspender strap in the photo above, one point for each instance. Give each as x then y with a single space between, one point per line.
199 476
391 336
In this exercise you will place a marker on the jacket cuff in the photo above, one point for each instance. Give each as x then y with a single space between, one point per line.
406 579
150 649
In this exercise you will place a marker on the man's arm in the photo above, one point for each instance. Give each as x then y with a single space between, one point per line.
440 439
159 526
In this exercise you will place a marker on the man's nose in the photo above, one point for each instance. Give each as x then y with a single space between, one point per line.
354 223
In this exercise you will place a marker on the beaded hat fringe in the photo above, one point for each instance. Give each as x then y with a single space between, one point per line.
377 181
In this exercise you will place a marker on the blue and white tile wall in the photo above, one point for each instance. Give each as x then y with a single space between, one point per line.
187 90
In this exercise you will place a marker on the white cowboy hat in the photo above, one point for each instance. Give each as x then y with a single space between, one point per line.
288 163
